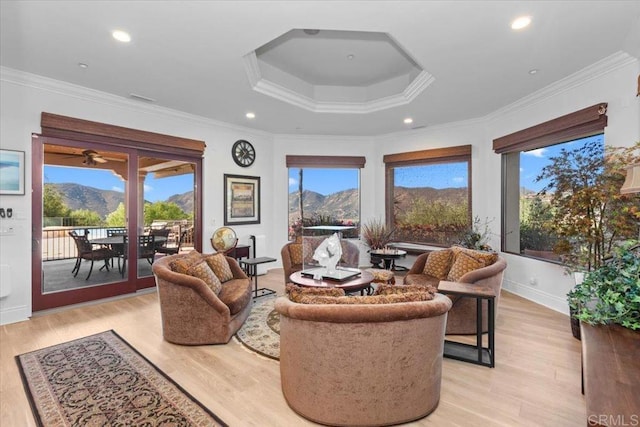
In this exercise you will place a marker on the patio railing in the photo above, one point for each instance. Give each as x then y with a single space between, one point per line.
58 245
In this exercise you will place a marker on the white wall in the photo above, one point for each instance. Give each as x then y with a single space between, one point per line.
24 97
324 146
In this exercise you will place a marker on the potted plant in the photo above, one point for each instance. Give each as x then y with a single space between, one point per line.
376 234
590 216
477 236
611 293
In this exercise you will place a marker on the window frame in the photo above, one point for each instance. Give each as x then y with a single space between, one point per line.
579 124
460 153
328 162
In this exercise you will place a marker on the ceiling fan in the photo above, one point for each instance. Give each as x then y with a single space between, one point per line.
92 158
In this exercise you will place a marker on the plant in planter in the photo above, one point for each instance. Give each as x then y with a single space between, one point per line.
477 236
376 234
610 293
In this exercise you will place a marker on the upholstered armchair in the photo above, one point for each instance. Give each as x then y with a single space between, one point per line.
192 312
365 364
293 254
462 316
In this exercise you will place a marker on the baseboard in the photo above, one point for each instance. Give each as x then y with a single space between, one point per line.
14 315
539 297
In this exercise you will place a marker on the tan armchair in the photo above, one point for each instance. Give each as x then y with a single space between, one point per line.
293 254
462 316
362 364
192 313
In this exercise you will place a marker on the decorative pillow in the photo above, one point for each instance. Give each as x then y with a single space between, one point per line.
202 271
438 264
183 263
463 264
309 245
296 292
487 257
404 289
295 252
220 266
373 299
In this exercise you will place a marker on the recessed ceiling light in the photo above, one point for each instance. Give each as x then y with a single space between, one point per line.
250 115
311 31
121 36
521 22
350 56
408 121
533 71
82 65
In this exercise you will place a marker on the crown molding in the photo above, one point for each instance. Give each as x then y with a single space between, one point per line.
611 63
35 81
290 96
288 137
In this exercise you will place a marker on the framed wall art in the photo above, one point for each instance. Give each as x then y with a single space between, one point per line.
11 172
241 199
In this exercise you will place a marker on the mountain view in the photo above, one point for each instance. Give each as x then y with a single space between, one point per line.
340 205
405 195
77 196
345 204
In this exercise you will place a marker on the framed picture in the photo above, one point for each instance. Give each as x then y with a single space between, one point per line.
11 172
241 199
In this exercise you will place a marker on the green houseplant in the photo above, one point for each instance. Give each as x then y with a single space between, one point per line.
590 217
611 293
376 233
477 236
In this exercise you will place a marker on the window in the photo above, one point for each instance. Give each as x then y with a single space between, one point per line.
324 190
428 195
527 213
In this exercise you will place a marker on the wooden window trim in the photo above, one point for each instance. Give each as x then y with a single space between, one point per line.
425 156
326 161
54 125
579 124
461 153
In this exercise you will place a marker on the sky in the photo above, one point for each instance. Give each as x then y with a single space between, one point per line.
154 189
448 175
532 162
323 181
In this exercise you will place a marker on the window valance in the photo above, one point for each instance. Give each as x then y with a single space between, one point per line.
579 124
54 125
326 161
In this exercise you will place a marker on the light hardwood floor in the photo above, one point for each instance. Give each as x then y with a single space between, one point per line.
536 381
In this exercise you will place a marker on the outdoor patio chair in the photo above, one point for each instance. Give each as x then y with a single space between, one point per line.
172 250
87 251
146 250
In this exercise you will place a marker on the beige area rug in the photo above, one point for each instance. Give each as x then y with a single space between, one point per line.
261 330
100 380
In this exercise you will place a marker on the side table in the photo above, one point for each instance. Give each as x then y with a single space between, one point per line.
477 354
239 252
250 266
388 257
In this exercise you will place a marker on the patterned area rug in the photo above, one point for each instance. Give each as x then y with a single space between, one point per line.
261 330
100 380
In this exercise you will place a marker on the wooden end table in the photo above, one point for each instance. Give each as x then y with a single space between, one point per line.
477 354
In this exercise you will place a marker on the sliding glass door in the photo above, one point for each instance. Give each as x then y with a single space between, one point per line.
102 214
